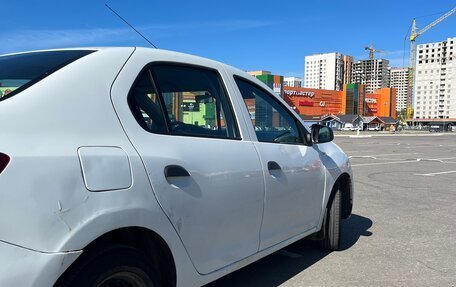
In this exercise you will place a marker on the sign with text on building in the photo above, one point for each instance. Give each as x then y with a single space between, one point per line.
294 93
305 104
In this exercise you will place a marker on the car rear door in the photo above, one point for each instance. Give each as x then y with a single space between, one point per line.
207 179
293 172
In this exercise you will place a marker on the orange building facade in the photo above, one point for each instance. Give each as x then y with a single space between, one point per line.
314 102
382 103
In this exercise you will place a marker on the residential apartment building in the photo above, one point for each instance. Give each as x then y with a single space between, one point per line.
293 82
324 71
374 74
399 79
435 80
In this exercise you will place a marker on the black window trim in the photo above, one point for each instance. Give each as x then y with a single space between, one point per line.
45 75
300 126
148 66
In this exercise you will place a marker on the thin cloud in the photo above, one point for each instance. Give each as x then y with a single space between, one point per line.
39 39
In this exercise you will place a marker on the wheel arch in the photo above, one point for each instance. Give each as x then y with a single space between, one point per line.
143 239
344 183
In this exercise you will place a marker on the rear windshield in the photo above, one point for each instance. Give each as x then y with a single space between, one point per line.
18 72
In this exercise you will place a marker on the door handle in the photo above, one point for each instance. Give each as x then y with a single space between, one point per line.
272 165
175 171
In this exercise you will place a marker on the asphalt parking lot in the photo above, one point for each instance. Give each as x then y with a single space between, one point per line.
402 231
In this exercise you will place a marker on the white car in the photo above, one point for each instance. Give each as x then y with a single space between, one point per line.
144 167
373 128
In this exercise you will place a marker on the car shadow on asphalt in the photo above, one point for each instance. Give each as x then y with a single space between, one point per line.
282 265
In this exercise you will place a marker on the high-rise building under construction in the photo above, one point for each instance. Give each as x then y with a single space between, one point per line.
373 73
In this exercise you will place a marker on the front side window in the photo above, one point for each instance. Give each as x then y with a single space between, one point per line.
271 121
183 100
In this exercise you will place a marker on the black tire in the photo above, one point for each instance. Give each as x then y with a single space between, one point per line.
331 223
115 265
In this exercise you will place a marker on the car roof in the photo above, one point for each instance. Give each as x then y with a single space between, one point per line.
189 57
182 56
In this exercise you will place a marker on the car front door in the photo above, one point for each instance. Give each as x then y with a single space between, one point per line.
208 181
294 174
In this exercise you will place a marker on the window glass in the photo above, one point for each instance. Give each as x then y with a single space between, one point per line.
271 121
183 100
195 100
146 106
19 71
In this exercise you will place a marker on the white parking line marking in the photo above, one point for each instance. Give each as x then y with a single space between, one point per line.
436 173
383 163
435 159
404 161
379 155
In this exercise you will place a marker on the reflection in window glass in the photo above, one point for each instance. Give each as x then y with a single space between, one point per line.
271 121
19 71
195 100
182 100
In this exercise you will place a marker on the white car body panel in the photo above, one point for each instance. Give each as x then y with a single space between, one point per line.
216 228
64 135
293 194
285 195
105 168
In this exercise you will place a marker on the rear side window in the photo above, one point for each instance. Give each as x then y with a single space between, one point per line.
18 72
182 100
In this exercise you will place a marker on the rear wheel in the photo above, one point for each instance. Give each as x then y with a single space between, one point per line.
114 266
331 223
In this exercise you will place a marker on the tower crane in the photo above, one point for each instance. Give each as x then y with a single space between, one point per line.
415 33
372 50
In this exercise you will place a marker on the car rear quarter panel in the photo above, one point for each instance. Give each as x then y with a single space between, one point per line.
45 205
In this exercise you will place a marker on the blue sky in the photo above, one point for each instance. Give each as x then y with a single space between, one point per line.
248 34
